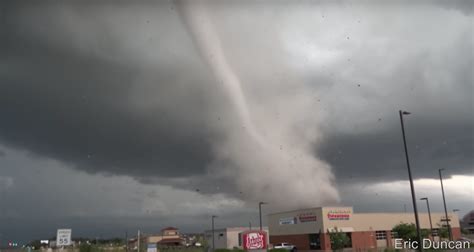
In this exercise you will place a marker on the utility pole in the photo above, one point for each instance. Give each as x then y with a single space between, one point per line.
445 208
260 212
126 241
429 214
412 187
138 240
213 240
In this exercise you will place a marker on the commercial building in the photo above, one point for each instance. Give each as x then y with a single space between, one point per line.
309 228
228 238
168 236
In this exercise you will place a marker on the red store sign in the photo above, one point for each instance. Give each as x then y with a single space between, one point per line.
339 215
307 217
254 240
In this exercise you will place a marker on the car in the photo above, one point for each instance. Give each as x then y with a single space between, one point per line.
285 245
464 239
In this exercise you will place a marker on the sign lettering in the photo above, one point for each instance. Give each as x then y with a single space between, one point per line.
255 240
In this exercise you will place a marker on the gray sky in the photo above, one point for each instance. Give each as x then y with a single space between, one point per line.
112 118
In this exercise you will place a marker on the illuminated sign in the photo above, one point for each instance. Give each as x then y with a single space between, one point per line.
307 217
339 214
288 221
255 240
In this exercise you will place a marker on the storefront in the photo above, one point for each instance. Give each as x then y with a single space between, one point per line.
309 228
230 238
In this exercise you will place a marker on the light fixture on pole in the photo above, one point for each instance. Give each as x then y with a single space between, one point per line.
260 212
429 214
412 187
444 202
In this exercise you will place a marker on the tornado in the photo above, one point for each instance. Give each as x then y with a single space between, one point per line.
198 23
257 163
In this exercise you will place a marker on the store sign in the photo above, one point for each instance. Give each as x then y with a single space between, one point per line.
63 237
255 240
151 247
288 221
339 214
307 217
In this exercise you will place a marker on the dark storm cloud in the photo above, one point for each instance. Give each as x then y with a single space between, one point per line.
381 157
464 6
74 106
60 100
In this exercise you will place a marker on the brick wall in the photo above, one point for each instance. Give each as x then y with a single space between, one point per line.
361 241
325 242
456 233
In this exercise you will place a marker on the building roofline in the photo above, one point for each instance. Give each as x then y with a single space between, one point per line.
310 208
408 213
169 228
235 229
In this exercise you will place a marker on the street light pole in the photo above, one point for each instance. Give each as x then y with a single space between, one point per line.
126 241
444 202
429 214
213 241
138 241
411 180
260 212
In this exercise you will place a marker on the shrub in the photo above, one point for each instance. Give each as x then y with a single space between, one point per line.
405 231
84 247
338 239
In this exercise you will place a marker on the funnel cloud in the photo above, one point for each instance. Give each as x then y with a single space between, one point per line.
259 164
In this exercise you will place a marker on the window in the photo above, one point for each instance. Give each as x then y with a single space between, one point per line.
349 244
314 241
381 235
394 235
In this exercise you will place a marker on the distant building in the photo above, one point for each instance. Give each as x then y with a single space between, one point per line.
168 236
228 238
308 229
467 222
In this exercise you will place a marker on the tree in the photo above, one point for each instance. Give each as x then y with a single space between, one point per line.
443 232
425 233
405 231
35 244
338 239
